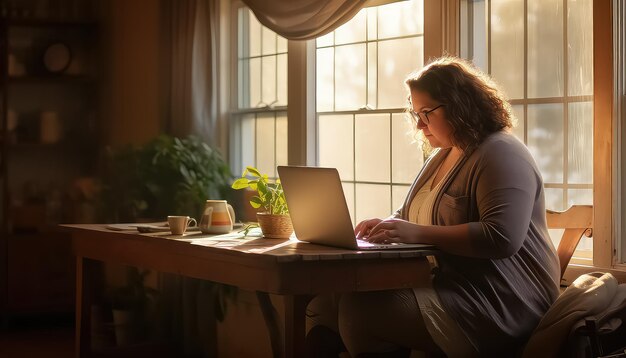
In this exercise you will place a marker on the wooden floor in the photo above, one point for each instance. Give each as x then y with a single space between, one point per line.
26 339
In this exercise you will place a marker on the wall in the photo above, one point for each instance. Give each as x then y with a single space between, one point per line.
130 98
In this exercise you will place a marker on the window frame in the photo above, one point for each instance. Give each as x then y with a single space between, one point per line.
233 111
605 156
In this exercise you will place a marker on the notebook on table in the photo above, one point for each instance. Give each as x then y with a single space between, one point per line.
319 212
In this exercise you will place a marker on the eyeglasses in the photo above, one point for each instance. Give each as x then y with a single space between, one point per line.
423 116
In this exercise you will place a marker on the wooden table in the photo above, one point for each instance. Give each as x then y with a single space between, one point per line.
296 270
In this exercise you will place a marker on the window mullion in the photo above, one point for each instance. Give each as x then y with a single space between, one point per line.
301 127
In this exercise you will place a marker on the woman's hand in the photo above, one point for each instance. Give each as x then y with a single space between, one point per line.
362 230
394 230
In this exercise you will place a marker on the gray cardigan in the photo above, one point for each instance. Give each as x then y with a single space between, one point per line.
499 290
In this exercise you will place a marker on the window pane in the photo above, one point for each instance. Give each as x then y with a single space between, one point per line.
326 40
348 192
545 48
372 201
399 193
254 85
393 69
269 80
579 197
479 35
372 147
580 47
520 126
507 45
350 77
281 80
545 139
281 44
281 140
325 79
407 19
580 143
352 31
269 41
265 144
335 144
554 199
254 35
372 26
406 156
372 74
248 141
243 88
242 48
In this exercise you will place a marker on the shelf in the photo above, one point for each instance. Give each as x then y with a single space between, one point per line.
34 145
60 22
38 179
52 79
42 146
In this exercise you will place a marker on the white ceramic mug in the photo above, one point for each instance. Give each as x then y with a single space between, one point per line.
178 224
218 217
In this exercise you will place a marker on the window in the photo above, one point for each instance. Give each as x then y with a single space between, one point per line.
259 122
541 53
360 96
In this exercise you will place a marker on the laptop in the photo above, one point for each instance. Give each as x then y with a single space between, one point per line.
319 212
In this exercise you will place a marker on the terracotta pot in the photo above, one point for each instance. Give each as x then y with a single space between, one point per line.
275 226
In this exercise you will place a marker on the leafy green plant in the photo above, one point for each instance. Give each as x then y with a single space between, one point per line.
270 195
135 296
167 176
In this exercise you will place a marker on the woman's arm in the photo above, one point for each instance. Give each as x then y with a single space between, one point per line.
505 195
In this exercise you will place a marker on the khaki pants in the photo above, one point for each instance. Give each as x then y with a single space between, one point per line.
384 321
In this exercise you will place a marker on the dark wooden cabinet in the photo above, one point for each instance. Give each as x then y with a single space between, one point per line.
49 106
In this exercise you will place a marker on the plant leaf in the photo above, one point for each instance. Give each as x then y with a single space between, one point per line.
253 171
262 187
241 183
256 202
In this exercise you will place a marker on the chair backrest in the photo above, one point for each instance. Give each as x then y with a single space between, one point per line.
577 221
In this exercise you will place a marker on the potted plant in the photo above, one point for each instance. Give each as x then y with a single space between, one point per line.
167 176
130 305
274 217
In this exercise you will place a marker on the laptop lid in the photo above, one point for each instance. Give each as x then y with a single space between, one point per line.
317 206
319 212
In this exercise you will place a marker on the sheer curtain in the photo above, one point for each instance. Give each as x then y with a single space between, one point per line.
190 82
191 47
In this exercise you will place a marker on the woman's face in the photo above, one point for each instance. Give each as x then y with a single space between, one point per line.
438 131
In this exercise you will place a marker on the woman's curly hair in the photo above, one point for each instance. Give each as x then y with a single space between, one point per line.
474 105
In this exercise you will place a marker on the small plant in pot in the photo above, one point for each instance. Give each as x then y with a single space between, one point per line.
274 217
130 305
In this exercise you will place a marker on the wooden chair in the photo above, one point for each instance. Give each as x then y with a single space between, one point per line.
577 221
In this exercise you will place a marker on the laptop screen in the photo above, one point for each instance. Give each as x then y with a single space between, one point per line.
317 205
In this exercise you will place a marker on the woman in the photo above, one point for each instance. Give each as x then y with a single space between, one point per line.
479 198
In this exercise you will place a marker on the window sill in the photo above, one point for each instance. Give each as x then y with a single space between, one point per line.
573 271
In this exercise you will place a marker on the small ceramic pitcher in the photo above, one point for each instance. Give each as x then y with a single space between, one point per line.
218 217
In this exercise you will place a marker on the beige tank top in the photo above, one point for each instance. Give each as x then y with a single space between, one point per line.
421 208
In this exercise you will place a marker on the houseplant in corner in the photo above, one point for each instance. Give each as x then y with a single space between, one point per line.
130 306
166 176
274 217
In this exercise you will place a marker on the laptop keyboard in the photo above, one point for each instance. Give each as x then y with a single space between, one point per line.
363 243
